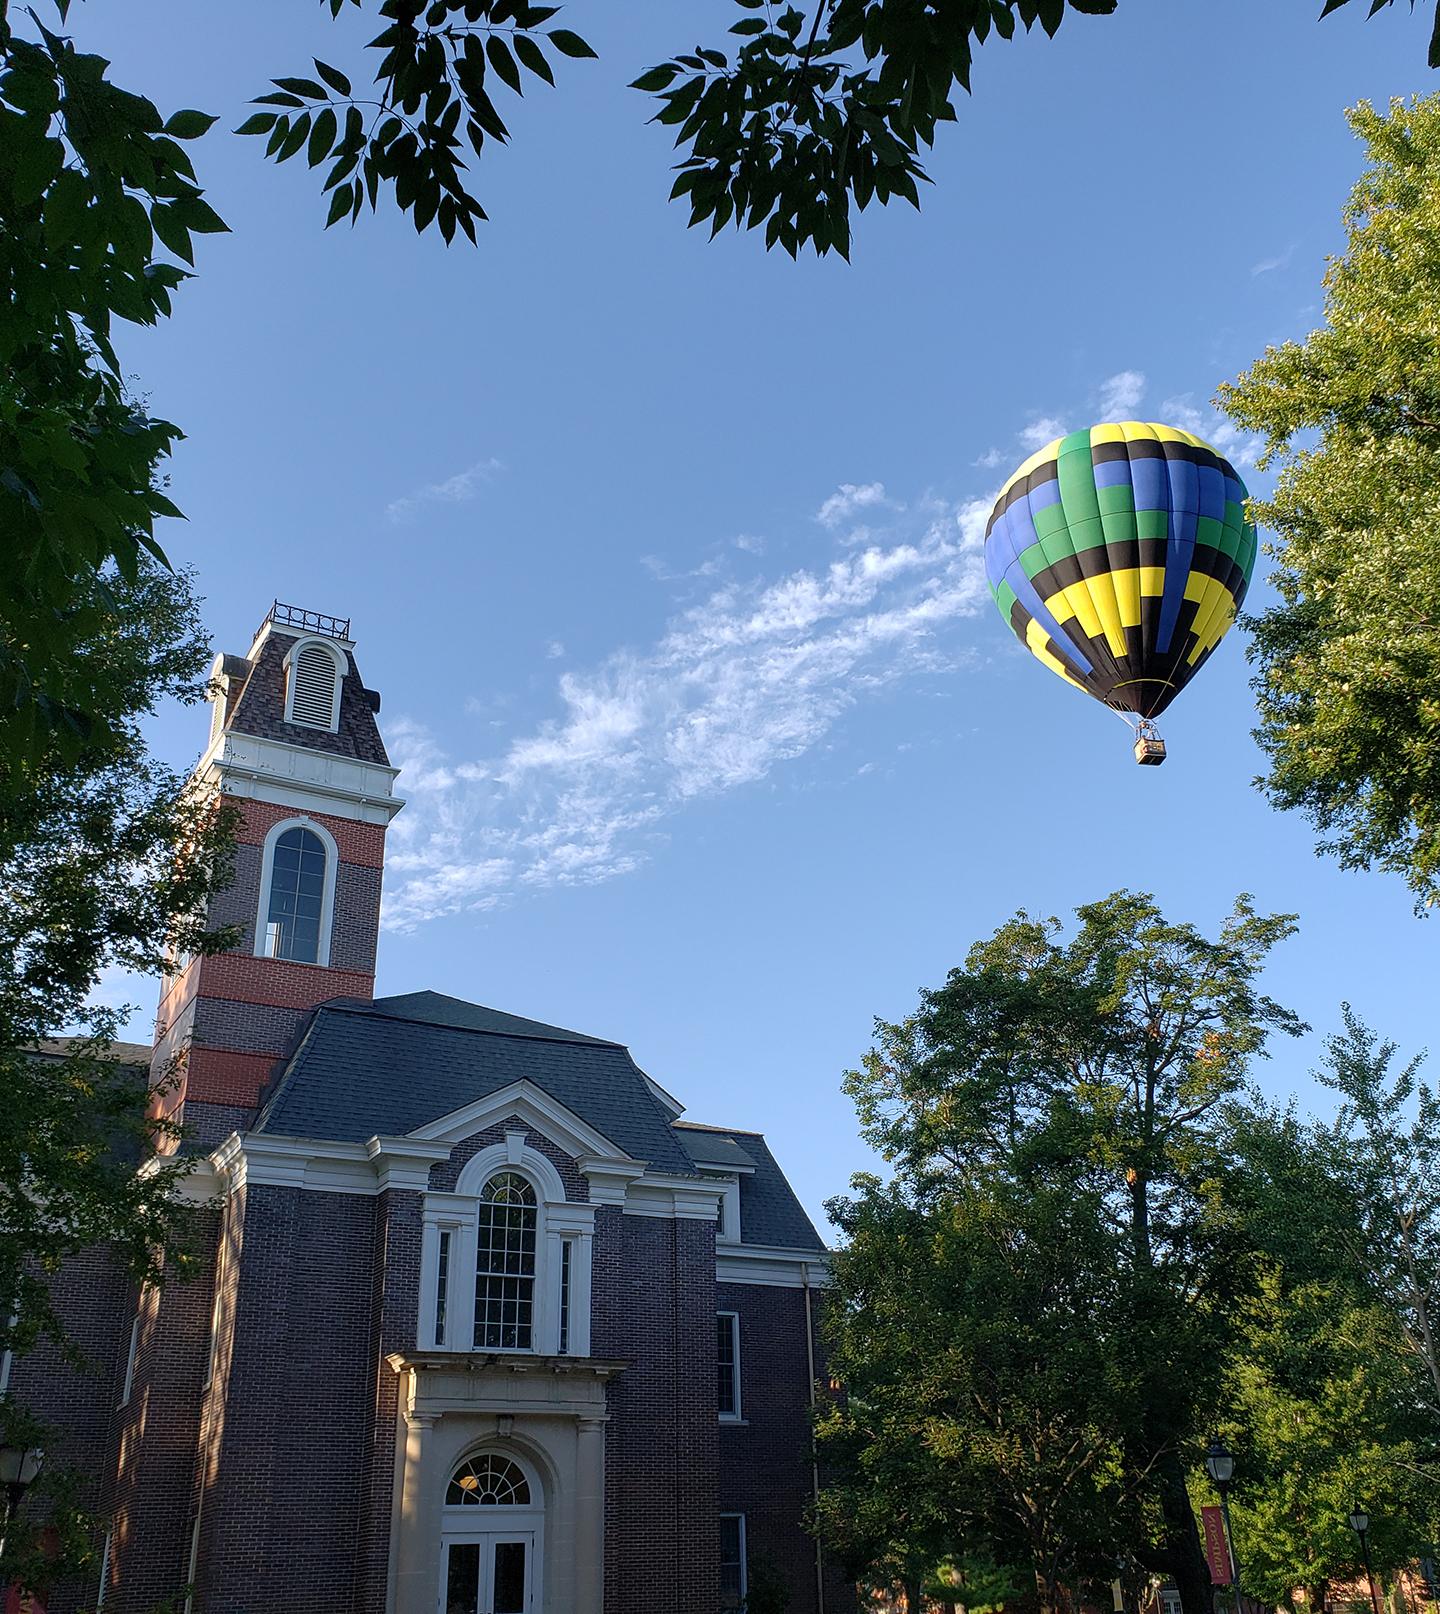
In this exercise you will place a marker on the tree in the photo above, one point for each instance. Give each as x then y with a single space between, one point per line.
1349 659
91 177
1385 1133
1105 1061
1321 1400
106 860
981 1426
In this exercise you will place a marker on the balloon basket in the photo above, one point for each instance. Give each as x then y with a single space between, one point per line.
1149 747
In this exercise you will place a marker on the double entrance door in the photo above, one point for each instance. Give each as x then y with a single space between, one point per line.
489 1573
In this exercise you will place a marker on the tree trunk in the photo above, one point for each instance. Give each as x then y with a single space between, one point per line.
1182 1540
912 1597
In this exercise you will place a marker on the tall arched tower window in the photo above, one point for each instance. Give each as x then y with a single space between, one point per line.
505 1264
297 893
297 897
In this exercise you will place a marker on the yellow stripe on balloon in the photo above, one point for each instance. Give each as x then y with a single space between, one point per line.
1041 646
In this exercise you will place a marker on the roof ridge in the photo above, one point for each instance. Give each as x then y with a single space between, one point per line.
571 1037
701 1126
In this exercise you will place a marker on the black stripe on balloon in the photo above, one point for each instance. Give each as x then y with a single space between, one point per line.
1148 448
1125 555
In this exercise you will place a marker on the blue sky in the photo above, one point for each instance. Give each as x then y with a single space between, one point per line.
662 552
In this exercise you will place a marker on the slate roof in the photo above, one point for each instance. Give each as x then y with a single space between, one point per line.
260 708
769 1210
709 1146
388 1067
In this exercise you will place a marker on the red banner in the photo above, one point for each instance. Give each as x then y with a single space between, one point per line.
1217 1549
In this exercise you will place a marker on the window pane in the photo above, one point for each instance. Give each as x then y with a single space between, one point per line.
297 884
732 1561
442 1285
509 1577
725 1377
505 1264
564 1342
462 1582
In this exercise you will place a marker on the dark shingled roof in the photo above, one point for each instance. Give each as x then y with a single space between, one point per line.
260 710
393 1065
769 1210
708 1146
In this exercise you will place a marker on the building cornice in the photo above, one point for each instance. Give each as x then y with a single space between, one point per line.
289 775
772 1266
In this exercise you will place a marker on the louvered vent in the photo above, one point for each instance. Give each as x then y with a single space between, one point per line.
314 698
217 717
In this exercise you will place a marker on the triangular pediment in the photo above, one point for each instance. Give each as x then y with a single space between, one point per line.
538 1110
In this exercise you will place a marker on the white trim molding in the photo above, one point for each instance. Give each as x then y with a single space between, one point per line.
559 1222
298 776
327 894
340 665
772 1266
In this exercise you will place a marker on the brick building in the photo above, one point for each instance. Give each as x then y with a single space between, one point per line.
485 1326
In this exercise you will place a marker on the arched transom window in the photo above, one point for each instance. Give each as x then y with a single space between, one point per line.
297 896
488 1481
505 1264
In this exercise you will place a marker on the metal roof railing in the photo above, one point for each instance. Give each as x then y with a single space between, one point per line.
293 616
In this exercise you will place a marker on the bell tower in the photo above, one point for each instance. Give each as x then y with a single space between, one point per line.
295 746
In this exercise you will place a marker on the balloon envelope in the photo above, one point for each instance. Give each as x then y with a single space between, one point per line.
1119 556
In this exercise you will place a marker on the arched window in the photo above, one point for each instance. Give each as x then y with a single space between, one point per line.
297 897
488 1481
312 688
505 1264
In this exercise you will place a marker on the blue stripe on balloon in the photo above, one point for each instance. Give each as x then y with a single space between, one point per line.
1212 492
1112 474
1180 491
1152 486
1025 593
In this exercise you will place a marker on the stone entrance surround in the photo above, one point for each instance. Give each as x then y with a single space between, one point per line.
452 1405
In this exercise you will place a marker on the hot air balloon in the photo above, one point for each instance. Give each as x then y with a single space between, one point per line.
1119 556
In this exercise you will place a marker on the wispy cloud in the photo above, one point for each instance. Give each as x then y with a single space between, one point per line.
1268 266
990 459
749 543
457 489
752 677
848 500
1120 395
1042 430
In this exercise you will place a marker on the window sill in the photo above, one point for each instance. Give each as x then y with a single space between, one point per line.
728 1420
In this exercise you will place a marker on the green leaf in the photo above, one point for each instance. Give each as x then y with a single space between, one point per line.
570 44
340 204
189 124
322 137
167 224
258 123
657 78
533 57
332 76
200 217
302 86
503 62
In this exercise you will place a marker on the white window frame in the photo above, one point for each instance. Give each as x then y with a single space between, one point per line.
327 892
737 1414
131 1353
341 665
727 1217
193 1565
104 1574
744 1557
558 1221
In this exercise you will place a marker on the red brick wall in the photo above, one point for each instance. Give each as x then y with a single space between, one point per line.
357 843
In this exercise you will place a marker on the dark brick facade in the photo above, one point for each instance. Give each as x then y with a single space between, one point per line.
765 1460
263 1428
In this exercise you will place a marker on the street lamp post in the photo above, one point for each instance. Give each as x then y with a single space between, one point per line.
19 1469
1220 1465
1360 1524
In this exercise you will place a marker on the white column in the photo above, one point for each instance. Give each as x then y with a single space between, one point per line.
590 1515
